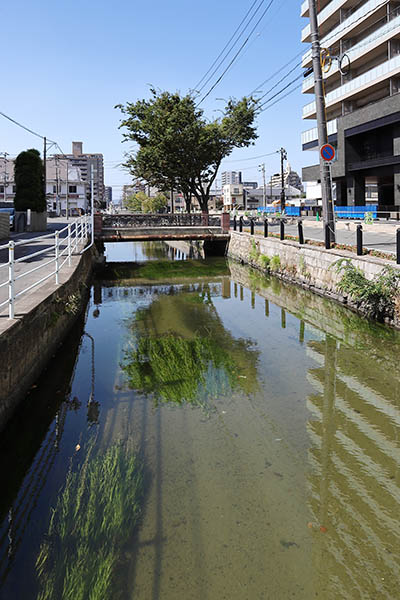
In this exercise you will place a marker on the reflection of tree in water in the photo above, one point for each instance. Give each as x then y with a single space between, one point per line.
155 250
183 353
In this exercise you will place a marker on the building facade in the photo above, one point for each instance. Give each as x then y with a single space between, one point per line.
60 177
362 86
290 178
86 163
231 177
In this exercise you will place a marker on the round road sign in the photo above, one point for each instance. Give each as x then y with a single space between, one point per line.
327 152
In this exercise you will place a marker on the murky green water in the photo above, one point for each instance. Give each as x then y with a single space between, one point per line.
207 438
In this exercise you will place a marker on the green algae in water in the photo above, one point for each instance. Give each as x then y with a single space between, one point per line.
94 518
189 356
165 270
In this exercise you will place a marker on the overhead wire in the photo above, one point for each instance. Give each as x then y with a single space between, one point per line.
237 53
226 46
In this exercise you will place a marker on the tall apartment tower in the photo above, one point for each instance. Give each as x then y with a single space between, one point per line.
231 177
85 162
362 97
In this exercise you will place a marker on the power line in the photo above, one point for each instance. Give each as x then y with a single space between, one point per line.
281 90
226 45
251 157
277 72
280 81
279 99
237 53
26 128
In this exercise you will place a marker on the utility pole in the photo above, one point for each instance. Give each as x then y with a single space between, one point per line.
326 185
262 167
5 154
92 201
45 168
66 194
283 197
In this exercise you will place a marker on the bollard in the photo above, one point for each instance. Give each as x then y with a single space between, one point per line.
282 231
398 246
234 223
240 224
359 235
301 232
265 228
327 238
252 226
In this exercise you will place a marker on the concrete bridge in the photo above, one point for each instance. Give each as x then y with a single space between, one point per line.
213 230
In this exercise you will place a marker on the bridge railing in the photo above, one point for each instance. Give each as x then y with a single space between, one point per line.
143 221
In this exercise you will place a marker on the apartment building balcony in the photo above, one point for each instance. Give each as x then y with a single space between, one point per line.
328 14
366 49
358 20
311 135
354 88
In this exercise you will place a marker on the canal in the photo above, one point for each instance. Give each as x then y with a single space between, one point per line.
205 433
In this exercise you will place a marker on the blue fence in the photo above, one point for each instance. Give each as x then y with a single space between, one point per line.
291 211
356 212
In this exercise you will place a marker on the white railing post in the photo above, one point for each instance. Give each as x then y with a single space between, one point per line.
11 298
69 245
57 248
76 236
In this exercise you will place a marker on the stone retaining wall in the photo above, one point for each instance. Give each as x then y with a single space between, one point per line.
27 346
311 267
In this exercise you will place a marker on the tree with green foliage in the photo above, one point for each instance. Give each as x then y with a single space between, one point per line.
29 181
178 148
135 202
155 204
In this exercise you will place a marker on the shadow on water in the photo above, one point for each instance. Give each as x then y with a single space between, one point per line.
29 446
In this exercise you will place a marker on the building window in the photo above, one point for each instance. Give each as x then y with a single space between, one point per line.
14 189
72 189
1 189
54 189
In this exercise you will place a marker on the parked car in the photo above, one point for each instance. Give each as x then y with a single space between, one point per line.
11 211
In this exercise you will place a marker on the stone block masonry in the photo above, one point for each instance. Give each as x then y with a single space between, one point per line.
28 343
312 267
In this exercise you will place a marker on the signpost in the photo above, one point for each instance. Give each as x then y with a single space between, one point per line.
328 153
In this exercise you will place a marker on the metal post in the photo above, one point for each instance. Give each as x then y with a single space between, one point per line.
283 198
282 229
398 246
69 245
251 226
262 167
326 187
11 298
265 228
76 235
234 223
66 195
57 256
327 237
240 224
359 235
301 232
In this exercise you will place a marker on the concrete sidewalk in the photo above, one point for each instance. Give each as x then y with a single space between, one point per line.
44 265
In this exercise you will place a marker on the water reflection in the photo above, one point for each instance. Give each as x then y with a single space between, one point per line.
182 352
354 482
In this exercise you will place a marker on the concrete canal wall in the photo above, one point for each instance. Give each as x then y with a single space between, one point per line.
28 342
312 267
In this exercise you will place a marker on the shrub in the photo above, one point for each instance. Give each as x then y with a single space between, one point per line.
275 263
264 261
376 296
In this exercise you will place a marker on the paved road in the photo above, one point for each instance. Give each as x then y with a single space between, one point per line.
385 241
40 241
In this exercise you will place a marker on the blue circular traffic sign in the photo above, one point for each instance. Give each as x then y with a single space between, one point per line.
327 152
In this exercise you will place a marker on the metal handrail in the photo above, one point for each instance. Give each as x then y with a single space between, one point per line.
79 232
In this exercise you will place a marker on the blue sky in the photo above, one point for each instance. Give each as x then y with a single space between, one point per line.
65 65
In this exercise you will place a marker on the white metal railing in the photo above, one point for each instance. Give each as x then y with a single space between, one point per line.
382 71
60 246
312 134
323 15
